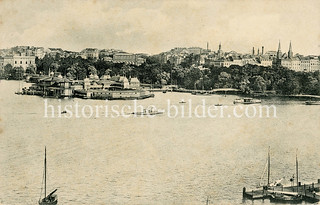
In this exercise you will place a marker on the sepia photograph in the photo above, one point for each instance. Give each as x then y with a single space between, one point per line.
162 102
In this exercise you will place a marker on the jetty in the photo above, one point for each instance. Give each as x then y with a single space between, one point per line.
309 192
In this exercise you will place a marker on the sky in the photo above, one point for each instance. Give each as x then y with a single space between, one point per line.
154 26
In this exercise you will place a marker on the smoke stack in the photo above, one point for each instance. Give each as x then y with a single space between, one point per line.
253 51
262 50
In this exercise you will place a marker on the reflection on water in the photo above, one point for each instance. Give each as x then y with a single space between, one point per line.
156 160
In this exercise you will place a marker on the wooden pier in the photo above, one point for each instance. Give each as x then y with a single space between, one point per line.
310 192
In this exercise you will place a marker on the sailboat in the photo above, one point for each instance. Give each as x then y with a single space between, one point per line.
50 199
264 171
288 197
261 191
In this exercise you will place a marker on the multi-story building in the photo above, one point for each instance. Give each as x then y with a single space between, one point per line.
297 62
54 51
17 61
128 58
266 62
6 60
310 63
90 53
292 63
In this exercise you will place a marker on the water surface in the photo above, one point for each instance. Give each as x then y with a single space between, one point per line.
158 160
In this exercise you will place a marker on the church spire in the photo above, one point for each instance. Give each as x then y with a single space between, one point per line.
279 53
290 53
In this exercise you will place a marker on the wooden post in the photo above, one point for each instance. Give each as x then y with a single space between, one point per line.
305 191
268 166
45 172
297 171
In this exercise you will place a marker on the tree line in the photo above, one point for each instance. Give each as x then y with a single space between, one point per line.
248 78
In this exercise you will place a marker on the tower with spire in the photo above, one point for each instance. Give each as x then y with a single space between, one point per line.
279 53
290 53
220 51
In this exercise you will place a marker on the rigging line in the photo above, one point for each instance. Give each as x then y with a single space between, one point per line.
264 171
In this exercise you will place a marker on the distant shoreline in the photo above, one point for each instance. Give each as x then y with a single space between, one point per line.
300 96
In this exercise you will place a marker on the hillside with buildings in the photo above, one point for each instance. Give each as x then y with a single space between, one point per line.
191 68
220 58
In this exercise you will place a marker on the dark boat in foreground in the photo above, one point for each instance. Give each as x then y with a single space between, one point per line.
50 199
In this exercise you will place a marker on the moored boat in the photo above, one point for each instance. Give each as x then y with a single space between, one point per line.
148 112
285 198
261 191
115 94
246 101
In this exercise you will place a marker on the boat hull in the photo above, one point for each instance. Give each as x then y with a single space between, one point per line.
283 199
48 202
114 95
247 101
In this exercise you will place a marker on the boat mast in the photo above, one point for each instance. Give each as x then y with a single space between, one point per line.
268 166
297 170
45 172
